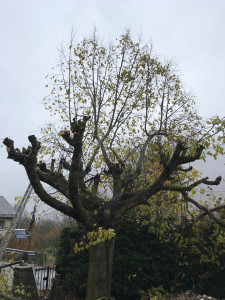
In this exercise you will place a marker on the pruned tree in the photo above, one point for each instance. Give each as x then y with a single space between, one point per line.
120 112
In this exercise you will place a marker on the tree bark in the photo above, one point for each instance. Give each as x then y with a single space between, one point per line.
100 271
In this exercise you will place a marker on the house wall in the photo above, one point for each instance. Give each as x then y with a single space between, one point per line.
3 230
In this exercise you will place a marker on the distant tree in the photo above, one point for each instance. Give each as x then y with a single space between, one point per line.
44 226
119 112
24 221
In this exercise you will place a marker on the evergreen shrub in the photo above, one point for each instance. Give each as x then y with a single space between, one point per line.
184 258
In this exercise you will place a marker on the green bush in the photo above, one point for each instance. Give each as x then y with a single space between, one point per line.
182 258
73 268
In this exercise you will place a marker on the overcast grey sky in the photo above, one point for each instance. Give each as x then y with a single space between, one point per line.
192 33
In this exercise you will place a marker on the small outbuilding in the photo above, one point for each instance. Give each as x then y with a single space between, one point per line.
6 215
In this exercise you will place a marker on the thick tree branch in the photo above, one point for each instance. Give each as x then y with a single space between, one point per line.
35 146
128 202
56 181
65 164
190 158
143 150
89 164
65 134
14 154
215 209
106 158
94 189
29 161
117 156
193 185
142 197
184 169
44 196
52 165
76 171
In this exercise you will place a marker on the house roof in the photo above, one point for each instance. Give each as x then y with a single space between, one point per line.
6 210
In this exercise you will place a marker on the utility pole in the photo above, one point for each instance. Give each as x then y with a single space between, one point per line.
15 220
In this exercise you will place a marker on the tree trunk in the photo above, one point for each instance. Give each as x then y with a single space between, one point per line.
100 271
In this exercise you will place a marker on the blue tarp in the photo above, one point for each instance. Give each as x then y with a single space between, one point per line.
21 234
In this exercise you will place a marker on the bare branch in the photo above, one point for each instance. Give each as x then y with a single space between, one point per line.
203 208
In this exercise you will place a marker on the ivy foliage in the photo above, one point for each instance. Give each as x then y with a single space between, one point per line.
185 257
73 268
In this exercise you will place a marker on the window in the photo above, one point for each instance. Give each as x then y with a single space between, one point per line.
2 224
